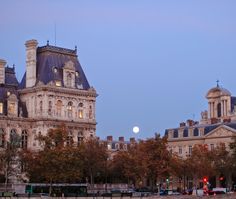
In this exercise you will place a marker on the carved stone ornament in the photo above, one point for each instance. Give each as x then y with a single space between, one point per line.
69 65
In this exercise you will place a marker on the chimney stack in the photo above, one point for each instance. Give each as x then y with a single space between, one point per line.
109 138
132 140
121 139
2 71
31 58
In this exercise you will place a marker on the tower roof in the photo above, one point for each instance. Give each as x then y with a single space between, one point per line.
52 57
217 91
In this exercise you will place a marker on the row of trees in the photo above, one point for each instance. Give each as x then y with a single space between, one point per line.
62 161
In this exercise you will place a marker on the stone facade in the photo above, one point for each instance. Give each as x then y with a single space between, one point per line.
53 91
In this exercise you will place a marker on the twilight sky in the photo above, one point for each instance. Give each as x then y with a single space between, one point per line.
151 62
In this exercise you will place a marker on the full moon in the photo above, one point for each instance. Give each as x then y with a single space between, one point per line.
136 129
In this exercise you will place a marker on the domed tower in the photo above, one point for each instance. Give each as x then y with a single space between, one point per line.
219 103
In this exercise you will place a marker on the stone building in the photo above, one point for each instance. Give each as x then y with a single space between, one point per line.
54 91
217 125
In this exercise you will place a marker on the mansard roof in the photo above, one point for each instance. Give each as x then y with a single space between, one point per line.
51 57
10 77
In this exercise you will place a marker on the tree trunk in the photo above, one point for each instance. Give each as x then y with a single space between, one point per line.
6 178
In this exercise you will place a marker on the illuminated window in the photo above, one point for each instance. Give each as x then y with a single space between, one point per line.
58 83
11 108
1 108
24 139
80 114
69 109
58 108
77 74
2 138
80 110
55 70
8 93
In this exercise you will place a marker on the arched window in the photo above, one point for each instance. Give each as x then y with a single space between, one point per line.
58 108
2 138
11 108
196 132
14 138
185 133
219 110
80 137
69 80
69 140
50 108
24 139
90 112
69 109
80 111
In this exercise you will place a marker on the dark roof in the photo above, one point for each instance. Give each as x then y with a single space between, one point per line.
10 77
233 103
50 57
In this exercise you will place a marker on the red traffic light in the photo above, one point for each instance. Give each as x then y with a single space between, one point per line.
205 179
221 178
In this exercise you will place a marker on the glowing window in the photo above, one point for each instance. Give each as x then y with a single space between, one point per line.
69 108
80 114
77 74
58 83
1 107
55 70
8 93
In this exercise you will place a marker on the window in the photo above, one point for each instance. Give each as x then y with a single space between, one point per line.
176 134
185 133
69 80
11 108
41 106
69 140
77 74
80 138
55 69
190 149
117 146
196 132
80 111
8 93
2 138
50 108
212 147
58 108
180 150
69 109
90 112
219 110
24 139
14 138
58 83
1 108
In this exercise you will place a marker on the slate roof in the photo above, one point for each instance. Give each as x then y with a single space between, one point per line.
50 57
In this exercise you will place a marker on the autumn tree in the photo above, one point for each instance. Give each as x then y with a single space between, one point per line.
9 163
94 156
58 160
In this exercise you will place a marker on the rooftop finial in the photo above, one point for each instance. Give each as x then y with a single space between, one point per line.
75 48
217 83
47 42
13 66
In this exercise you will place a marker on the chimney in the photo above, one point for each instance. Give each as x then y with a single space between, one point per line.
132 140
31 58
2 71
121 139
109 138
182 124
190 122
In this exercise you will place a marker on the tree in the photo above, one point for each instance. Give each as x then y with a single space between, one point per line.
8 157
94 156
59 159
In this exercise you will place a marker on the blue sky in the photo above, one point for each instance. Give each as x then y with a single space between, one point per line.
151 62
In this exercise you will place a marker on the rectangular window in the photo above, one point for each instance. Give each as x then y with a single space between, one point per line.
190 149
180 149
212 147
58 83
1 108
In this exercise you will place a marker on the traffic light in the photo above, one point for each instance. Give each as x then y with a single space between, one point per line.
221 178
205 179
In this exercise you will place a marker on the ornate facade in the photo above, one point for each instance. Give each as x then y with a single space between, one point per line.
54 91
217 125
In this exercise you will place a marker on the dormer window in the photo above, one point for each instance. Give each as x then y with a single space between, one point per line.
55 69
8 93
77 74
69 80
1 108
58 83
